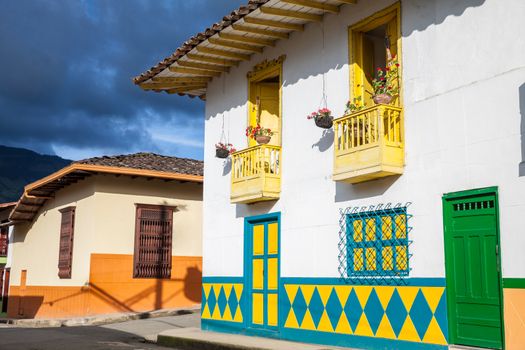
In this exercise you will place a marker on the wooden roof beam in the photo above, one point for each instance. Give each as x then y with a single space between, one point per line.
214 60
158 79
274 24
314 5
222 53
235 45
348 1
185 89
200 72
160 86
265 32
204 66
247 39
291 14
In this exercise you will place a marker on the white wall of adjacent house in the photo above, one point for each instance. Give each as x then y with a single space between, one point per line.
104 224
463 69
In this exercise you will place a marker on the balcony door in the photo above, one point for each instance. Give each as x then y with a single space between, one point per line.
264 103
265 97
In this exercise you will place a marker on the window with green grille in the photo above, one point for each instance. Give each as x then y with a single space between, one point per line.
376 241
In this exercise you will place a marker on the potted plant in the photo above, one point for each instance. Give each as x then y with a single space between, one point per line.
355 105
260 134
386 83
323 118
223 150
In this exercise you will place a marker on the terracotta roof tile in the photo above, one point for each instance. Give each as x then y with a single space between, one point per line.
150 161
195 40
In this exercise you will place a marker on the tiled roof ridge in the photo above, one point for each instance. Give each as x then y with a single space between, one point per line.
148 161
195 40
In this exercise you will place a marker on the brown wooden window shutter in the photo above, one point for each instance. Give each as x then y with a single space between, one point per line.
153 237
65 255
4 243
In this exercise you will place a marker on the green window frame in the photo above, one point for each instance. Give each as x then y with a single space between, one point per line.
377 243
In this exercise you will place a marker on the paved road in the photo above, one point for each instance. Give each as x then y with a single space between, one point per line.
119 336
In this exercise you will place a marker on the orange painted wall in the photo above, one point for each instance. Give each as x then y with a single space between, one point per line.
114 290
514 312
111 289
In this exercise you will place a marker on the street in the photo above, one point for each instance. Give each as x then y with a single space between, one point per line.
125 335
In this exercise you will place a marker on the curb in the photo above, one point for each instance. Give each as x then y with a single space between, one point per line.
198 344
100 319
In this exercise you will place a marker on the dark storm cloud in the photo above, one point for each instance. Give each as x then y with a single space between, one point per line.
67 69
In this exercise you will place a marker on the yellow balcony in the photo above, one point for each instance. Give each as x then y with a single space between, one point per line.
369 144
256 174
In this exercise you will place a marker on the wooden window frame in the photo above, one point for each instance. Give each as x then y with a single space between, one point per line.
140 263
66 239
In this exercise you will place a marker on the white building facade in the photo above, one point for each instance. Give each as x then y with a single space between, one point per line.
400 226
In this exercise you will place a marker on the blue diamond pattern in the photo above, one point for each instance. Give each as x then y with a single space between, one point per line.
333 308
316 307
203 298
441 315
299 306
212 301
421 314
396 312
374 311
233 302
353 309
222 301
284 305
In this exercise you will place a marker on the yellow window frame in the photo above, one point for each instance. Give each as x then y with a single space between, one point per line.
355 49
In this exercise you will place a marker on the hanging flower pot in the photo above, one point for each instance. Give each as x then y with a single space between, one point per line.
324 122
323 118
223 150
259 134
382 99
262 139
221 153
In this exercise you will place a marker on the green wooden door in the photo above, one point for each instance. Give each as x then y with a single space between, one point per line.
472 269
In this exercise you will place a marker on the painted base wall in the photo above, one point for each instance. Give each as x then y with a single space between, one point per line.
514 314
328 311
111 289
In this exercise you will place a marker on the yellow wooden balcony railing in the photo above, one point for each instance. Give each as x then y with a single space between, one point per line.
256 174
369 144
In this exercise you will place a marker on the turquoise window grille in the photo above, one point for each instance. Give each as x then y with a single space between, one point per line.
375 242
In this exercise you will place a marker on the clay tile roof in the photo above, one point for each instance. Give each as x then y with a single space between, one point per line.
149 161
195 40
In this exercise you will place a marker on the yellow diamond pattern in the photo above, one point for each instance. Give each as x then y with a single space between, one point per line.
433 335
231 290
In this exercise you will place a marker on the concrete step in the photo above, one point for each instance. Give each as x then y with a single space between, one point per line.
196 339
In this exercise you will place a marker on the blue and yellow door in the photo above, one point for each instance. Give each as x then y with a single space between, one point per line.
262 271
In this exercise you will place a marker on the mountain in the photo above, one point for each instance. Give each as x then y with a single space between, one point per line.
19 167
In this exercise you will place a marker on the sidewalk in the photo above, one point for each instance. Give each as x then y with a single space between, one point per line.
196 339
97 320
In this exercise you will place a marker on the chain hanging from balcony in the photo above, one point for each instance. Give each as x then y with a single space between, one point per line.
374 244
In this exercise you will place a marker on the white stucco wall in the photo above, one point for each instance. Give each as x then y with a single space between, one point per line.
104 224
463 70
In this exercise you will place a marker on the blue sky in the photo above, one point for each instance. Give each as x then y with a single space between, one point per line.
67 68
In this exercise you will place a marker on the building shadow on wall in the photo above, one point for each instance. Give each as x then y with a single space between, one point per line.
521 90
346 191
260 208
326 141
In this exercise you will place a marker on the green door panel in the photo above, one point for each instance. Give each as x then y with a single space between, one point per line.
472 270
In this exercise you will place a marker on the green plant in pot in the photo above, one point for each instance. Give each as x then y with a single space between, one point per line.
386 83
260 134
